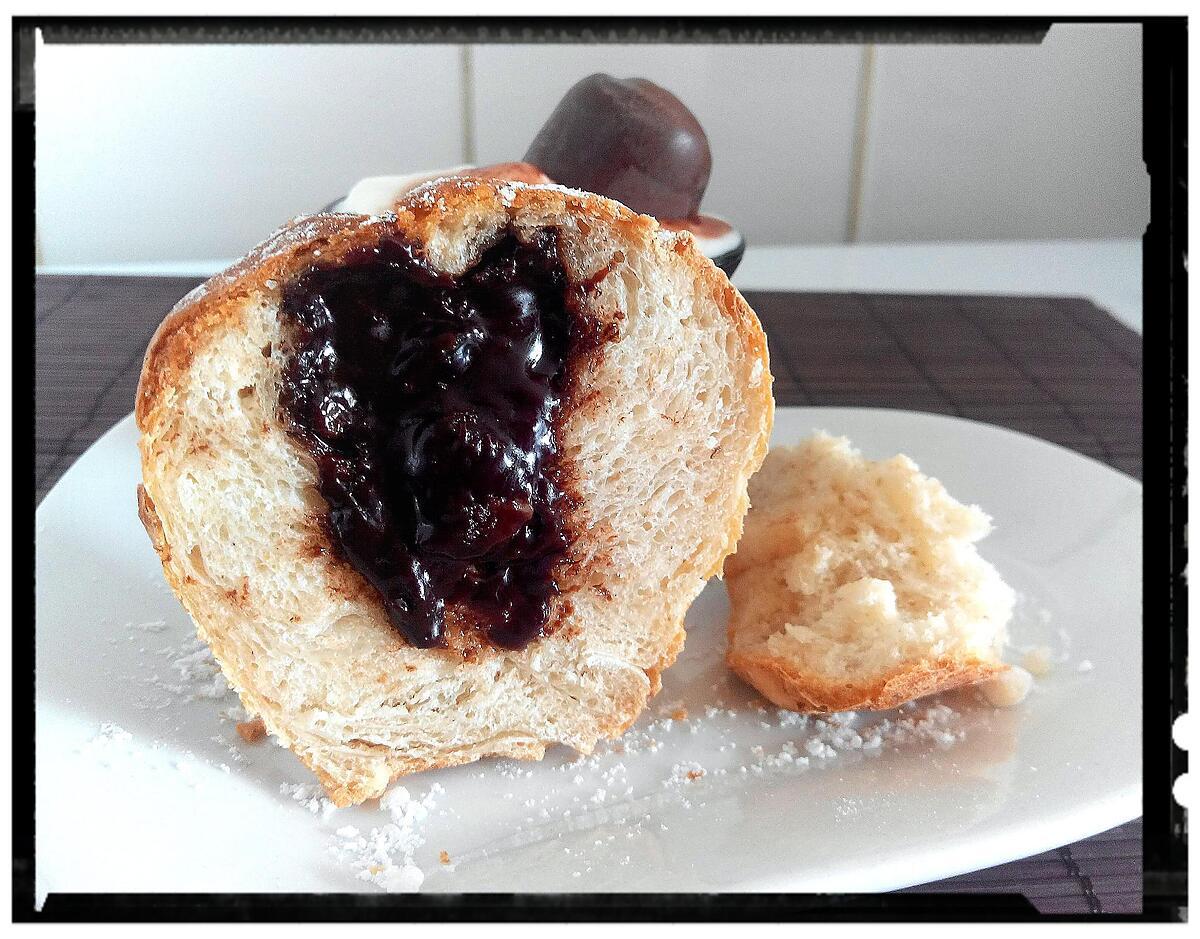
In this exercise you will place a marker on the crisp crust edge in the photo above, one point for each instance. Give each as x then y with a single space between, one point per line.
794 690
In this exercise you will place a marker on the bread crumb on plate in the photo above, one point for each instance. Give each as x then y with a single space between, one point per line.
252 731
1008 688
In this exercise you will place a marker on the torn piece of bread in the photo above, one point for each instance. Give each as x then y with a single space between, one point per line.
664 414
857 584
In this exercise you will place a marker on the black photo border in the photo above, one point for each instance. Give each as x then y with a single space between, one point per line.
1165 93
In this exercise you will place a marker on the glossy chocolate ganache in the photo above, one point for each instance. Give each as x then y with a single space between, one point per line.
428 402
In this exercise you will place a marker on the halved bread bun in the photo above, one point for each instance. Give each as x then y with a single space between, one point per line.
660 426
857 584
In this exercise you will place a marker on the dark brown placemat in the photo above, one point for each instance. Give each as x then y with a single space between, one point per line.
1100 875
1059 369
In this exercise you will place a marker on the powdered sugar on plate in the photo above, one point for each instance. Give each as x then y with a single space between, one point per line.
199 674
690 751
1039 644
109 742
686 753
311 796
384 856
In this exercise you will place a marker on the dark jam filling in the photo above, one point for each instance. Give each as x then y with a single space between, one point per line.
427 402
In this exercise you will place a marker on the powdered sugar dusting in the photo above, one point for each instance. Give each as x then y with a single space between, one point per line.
425 195
109 742
200 673
684 757
192 296
311 796
1046 644
385 855
289 236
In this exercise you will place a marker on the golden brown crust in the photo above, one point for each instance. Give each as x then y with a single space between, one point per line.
508 172
788 688
421 210
343 794
212 307
152 524
330 236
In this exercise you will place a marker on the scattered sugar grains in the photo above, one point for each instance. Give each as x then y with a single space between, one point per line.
110 741
151 626
311 796
197 675
110 733
384 856
682 773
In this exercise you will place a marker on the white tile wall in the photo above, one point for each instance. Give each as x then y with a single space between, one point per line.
976 142
780 120
176 152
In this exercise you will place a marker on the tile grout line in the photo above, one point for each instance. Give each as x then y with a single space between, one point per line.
466 60
858 144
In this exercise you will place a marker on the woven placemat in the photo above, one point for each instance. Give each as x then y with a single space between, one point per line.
1059 369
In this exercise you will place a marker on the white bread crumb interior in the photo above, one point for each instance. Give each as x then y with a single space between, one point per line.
857 583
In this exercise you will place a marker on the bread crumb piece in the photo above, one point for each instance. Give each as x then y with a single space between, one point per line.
1038 661
857 583
695 773
679 714
444 857
252 731
1008 688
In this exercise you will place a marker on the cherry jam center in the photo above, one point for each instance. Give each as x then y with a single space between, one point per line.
427 403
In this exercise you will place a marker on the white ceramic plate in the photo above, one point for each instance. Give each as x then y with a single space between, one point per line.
143 785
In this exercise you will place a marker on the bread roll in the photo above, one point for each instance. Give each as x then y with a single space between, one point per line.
663 411
857 584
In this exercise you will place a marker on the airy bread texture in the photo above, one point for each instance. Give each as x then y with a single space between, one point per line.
857 584
663 427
